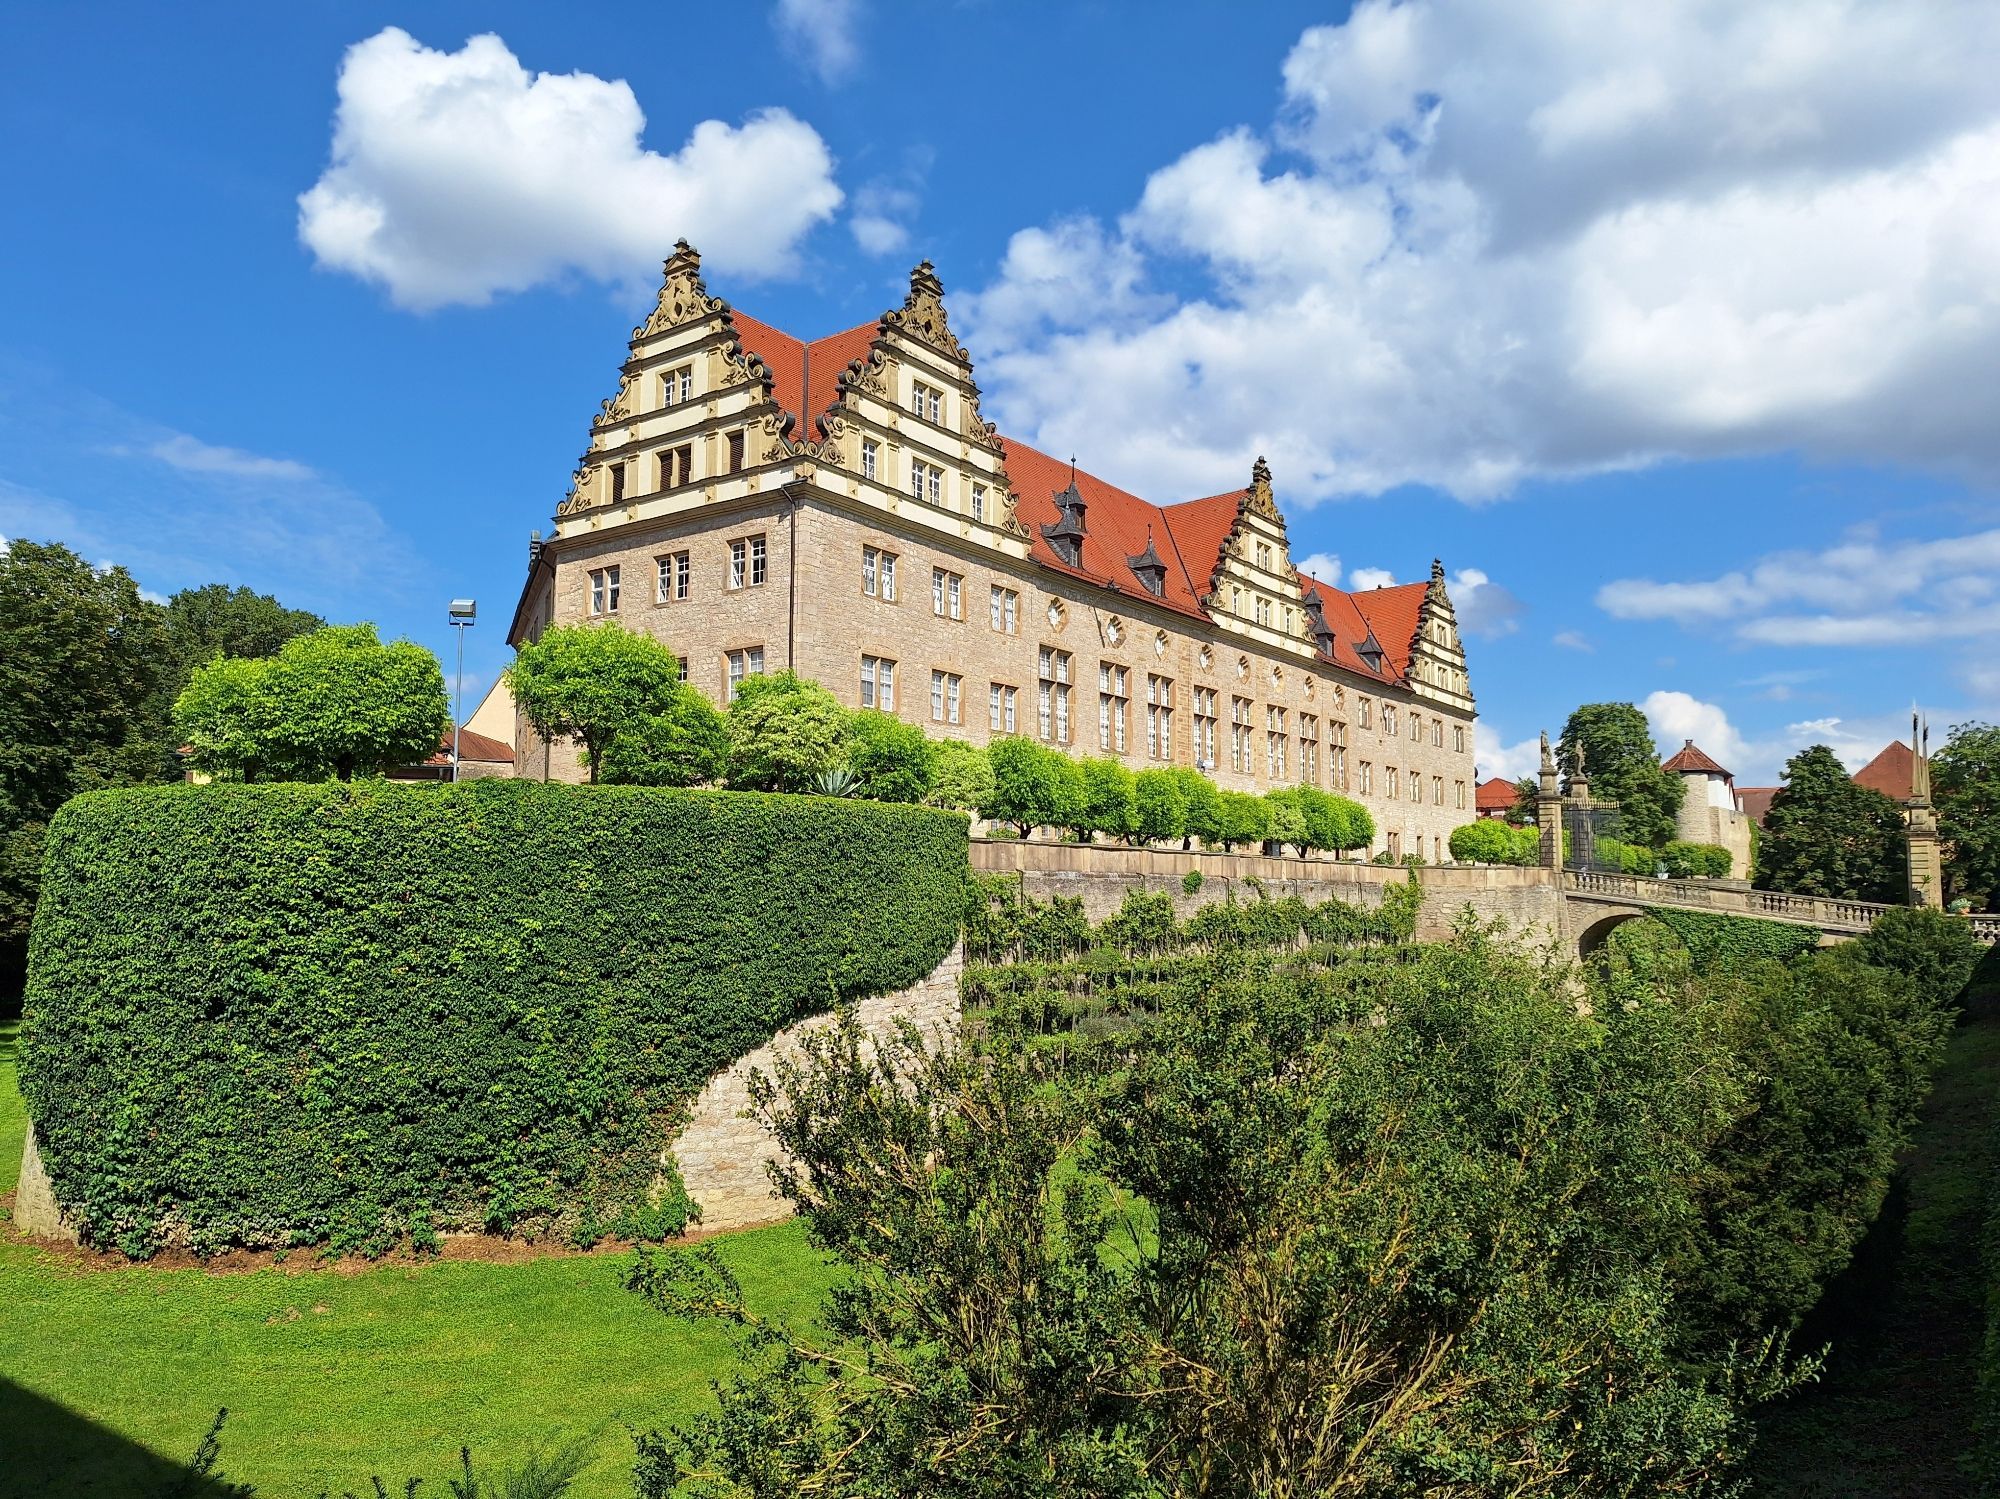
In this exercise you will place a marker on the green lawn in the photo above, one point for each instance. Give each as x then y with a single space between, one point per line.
331 1376
1894 1413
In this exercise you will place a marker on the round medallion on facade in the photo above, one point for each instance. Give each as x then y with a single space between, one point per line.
1114 630
1160 643
1057 614
1242 667
1309 686
1277 676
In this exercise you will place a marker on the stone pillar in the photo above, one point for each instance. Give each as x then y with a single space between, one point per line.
1548 809
1920 831
37 1214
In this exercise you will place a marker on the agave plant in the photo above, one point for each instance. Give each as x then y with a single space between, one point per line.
839 781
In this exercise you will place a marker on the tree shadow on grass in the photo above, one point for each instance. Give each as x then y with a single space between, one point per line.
49 1451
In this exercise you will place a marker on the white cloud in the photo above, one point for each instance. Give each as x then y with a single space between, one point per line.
195 456
456 176
1572 640
1485 243
821 34
1522 758
1322 565
1862 591
881 217
1678 716
1364 578
1483 607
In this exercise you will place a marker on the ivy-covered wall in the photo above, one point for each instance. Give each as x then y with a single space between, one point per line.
346 1015
1713 938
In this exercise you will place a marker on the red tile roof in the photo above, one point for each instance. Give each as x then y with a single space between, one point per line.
1889 772
1495 794
473 746
1689 759
1755 801
1188 536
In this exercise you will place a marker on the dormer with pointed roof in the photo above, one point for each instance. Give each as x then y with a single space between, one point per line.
1066 533
1149 568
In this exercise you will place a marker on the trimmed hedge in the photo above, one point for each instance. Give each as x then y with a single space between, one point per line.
345 1015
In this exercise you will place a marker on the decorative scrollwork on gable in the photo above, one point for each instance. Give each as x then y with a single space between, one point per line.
1258 497
578 497
616 407
867 376
977 429
922 314
683 296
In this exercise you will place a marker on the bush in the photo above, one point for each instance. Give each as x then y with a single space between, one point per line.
1191 882
783 732
687 745
344 1014
1936 951
1686 861
590 682
892 761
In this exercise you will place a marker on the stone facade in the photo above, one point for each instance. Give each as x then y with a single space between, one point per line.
723 1153
1709 811
841 508
37 1215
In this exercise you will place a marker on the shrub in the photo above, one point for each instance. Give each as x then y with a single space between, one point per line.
1160 803
1936 951
964 779
783 731
332 1014
686 745
1683 861
892 761
1191 882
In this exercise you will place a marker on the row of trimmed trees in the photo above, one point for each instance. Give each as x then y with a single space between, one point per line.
618 694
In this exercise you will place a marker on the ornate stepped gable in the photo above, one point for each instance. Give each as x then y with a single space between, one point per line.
810 404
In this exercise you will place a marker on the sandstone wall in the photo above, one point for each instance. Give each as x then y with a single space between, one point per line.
722 1153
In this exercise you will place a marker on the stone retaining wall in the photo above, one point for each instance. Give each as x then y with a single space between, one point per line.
722 1153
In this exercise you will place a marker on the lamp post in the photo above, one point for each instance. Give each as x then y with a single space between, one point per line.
463 612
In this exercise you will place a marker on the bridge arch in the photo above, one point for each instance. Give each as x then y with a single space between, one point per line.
1590 938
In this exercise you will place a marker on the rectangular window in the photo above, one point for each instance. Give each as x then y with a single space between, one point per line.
878 683
676 466
1263 610
677 386
1053 698
1437 732
946 688
979 502
1006 610
744 663
1416 788
1388 720
1416 728
1437 791
1204 727
1458 794
757 562
1264 556
604 590
1395 846
947 594
739 562
676 574
870 451
1159 717
878 573
1309 748
1361 709
926 401
926 481
1239 736
617 483
1391 782
1458 738
1000 700
681 667
1113 700
1336 764
1276 745
1366 775
736 452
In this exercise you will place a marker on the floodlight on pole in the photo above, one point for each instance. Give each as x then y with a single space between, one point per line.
462 613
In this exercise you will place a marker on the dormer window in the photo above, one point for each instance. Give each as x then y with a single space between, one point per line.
1149 569
1065 534
1370 651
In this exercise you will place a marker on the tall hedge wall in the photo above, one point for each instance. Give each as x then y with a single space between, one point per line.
339 1015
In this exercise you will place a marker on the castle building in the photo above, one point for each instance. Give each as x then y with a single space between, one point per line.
842 508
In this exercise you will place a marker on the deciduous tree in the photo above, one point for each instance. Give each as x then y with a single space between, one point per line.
1825 835
586 682
964 777
1965 783
784 732
1624 767
892 761
686 744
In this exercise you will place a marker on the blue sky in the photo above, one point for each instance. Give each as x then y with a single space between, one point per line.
1675 336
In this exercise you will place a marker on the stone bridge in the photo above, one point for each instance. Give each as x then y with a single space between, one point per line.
1595 903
